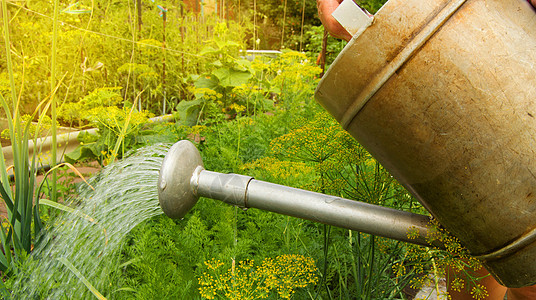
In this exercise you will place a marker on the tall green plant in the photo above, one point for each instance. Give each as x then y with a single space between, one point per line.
53 97
17 236
353 265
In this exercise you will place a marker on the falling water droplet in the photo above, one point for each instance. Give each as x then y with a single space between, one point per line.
89 238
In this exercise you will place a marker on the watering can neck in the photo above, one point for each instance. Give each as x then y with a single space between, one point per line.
183 180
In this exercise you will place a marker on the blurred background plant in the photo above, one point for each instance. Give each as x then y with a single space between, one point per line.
117 121
139 47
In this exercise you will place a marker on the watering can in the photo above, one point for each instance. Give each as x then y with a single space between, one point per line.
443 94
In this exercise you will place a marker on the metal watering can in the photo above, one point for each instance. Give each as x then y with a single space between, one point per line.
443 94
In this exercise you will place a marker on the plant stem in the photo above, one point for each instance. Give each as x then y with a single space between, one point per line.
370 266
284 19
53 98
354 263
436 277
324 51
238 142
327 230
8 55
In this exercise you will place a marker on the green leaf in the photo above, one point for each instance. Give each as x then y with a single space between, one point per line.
191 77
227 44
232 77
7 200
82 278
217 64
3 291
243 65
189 111
86 137
209 50
38 225
209 83
4 258
82 152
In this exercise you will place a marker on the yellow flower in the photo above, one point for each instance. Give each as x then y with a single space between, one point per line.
457 284
479 292
282 275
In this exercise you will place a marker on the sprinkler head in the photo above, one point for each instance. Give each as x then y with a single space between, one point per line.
175 191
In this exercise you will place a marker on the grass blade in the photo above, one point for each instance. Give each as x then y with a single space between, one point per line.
73 168
77 273
76 213
3 168
8 202
5 258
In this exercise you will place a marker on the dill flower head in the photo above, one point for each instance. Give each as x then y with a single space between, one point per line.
281 275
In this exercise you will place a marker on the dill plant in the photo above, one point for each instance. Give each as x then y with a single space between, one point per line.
119 125
321 150
281 275
452 256
351 264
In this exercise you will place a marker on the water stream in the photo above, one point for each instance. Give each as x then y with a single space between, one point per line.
82 246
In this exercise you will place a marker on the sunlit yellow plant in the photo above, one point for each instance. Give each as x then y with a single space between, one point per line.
294 72
100 97
454 257
206 93
280 171
281 275
33 129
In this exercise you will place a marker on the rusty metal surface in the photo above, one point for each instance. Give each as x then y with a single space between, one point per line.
456 122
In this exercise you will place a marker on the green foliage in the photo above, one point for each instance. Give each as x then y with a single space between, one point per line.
83 110
371 5
314 36
105 48
237 87
16 234
20 229
318 155
101 109
40 129
212 89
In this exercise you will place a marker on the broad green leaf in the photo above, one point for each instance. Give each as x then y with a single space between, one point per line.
226 44
232 77
243 65
217 64
86 137
189 111
82 152
191 77
209 83
209 50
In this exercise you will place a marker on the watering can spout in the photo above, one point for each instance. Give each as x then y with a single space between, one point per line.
183 180
179 168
